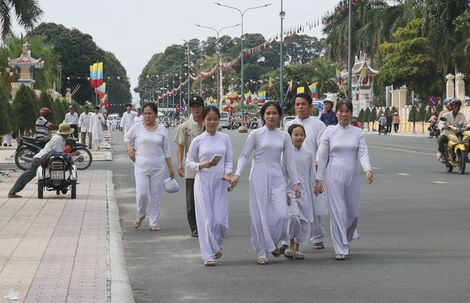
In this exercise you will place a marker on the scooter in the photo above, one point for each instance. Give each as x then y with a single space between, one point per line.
29 147
57 174
434 131
457 148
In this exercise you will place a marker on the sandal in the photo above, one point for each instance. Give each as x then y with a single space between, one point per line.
263 261
276 253
218 254
209 262
289 254
155 228
299 255
340 257
138 221
283 248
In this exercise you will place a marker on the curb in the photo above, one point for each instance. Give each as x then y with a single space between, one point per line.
121 290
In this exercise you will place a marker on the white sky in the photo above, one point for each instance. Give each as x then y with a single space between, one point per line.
134 30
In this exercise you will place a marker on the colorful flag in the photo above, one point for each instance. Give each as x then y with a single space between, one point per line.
300 89
96 74
101 90
270 86
248 98
313 89
262 95
291 83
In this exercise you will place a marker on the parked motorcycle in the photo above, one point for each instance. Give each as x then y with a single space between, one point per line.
29 147
57 174
457 148
254 124
434 131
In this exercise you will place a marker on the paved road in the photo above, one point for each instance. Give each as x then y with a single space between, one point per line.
415 244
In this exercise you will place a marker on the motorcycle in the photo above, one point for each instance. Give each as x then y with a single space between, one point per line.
254 124
457 148
235 124
434 131
57 174
29 147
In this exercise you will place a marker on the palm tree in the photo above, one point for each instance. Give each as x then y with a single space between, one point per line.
27 13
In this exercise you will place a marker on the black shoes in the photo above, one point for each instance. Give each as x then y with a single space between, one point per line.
13 196
194 233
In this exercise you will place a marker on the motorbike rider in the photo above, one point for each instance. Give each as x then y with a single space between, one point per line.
454 118
56 144
43 126
328 116
433 121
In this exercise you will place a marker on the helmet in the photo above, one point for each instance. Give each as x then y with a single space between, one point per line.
44 111
448 101
456 102
328 99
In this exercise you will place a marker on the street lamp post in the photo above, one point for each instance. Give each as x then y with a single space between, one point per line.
242 14
349 52
217 47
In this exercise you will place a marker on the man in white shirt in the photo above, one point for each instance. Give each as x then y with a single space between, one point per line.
71 118
454 118
314 128
127 119
57 144
84 126
96 127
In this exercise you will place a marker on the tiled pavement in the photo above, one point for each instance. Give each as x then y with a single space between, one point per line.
61 250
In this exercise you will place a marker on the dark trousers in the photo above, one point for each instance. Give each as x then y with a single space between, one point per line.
83 137
442 143
395 127
25 177
75 130
190 208
389 128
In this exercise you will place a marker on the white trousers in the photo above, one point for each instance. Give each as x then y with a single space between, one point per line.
317 229
148 190
298 230
7 139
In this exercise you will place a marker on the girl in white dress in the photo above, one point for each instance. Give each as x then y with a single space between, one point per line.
340 147
147 146
210 155
300 210
267 193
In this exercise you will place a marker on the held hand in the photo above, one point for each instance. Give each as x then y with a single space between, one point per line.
205 164
297 190
131 154
318 187
234 181
370 176
180 170
227 178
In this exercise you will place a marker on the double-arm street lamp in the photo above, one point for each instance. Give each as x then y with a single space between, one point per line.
217 47
242 14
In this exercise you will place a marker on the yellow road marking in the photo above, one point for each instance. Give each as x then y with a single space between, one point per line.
403 174
440 182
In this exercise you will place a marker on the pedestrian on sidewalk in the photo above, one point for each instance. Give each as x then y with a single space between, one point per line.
314 129
56 144
382 124
7 139
187 131
396 122
338 154
301 213
210 156
267 192
150 153
72 119
96 127
84 126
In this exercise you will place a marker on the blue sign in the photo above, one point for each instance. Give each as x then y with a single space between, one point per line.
319 106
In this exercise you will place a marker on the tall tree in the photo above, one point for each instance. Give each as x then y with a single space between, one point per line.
27 13
25 108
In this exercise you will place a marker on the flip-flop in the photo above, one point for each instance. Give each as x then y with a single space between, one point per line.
263 261
155 228
298 255
209 262
218 254
340 257
289 254
276 253
138 221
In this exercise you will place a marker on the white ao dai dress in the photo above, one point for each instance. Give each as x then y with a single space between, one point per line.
267 193
301 213
340 148
210 191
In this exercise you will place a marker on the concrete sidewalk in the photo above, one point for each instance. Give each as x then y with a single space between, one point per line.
61 250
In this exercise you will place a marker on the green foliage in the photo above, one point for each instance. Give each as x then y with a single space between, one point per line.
373 115
5 120
77 51
421 113
27 13
25 108
45 100
413 115
360 117
409 60
366 117
45 77
59 112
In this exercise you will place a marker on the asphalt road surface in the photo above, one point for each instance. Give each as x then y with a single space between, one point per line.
414 246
